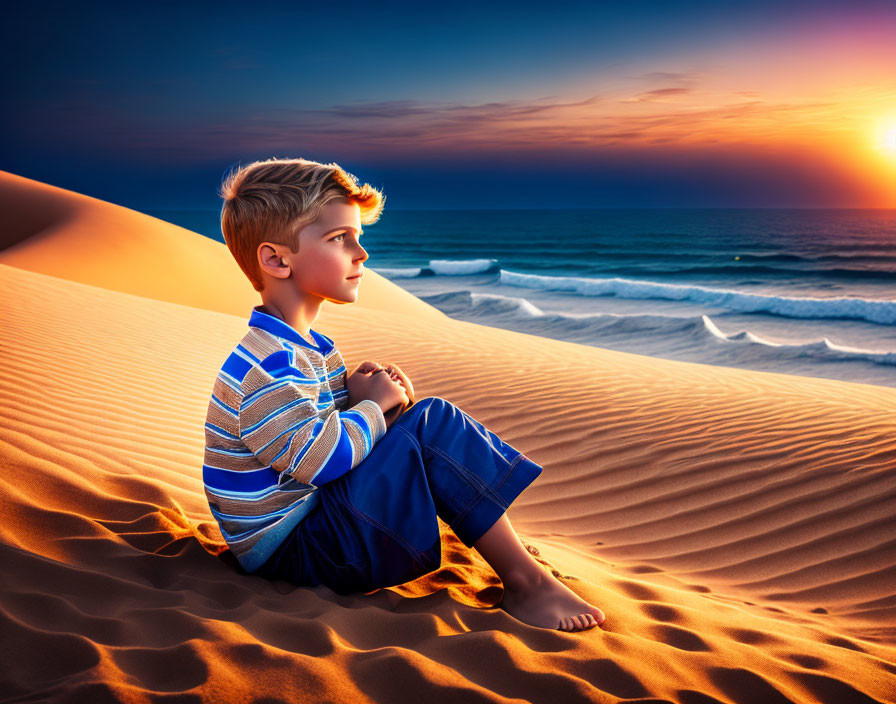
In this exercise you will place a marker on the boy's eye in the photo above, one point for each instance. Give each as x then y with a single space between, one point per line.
341 235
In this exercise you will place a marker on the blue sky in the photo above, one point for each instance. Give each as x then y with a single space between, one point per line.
701 104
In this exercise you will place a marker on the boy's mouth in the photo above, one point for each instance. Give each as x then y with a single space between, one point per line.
356 276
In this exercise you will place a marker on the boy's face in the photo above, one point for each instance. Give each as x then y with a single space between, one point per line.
329 253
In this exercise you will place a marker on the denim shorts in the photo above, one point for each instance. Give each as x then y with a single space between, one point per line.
375 526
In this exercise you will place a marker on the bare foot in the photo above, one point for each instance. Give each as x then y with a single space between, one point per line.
546 602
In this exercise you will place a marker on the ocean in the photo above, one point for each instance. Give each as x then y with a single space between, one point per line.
810 292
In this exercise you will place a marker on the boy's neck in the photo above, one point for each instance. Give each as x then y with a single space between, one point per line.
299 315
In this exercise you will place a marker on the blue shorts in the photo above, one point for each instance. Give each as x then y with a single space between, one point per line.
375 526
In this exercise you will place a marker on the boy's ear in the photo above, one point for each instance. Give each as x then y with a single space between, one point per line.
271 261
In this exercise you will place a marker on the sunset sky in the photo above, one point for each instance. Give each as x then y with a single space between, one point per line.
702 104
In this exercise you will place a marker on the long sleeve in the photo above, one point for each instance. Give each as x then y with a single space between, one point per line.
279 422
339 389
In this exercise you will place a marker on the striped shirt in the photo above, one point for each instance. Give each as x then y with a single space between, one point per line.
278 427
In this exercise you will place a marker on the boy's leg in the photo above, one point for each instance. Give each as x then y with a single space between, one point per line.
504 551
472 474
376 525
496 473
531 593
434 461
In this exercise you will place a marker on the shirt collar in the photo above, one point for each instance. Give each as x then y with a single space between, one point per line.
282 329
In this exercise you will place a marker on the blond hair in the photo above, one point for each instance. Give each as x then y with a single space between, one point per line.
272 200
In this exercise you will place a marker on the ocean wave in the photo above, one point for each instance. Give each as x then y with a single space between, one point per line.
595 328
848 274
873 311
462 267
411 272
441 267
882 312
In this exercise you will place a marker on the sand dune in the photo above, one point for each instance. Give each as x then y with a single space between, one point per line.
53 231
735 526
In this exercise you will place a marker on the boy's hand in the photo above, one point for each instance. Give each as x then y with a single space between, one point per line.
367 367
371 381
394 371
392 415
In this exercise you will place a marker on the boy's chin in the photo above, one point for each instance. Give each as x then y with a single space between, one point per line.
344 298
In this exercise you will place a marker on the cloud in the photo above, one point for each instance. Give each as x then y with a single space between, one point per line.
412 127
651 95
666 77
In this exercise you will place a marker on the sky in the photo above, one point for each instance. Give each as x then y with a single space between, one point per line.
469 105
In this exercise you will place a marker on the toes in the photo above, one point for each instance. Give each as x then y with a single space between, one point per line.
573 623
580 622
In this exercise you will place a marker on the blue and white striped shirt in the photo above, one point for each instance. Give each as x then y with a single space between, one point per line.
278 427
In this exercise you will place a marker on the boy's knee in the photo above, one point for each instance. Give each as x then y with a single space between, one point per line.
430 400
430 405
436 403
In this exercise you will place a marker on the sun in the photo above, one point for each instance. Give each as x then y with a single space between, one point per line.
888 140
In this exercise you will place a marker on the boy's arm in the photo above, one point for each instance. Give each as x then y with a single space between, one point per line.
340 392
279 424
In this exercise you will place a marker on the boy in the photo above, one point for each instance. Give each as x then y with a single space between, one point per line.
304 472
